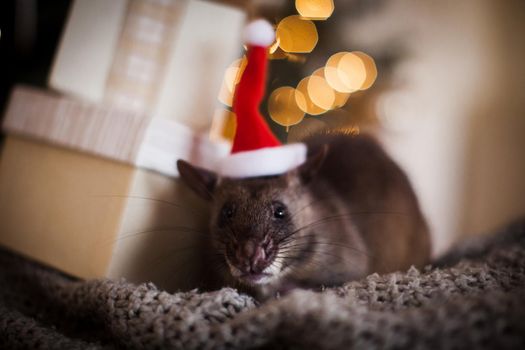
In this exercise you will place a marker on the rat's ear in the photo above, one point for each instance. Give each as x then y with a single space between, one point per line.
199 180
309 169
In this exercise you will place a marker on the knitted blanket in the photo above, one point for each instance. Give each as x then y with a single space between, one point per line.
473 298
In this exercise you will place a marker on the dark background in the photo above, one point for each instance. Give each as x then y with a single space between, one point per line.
30 33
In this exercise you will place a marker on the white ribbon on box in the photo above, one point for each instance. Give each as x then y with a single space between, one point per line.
166 141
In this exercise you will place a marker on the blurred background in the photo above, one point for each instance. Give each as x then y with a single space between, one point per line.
440 83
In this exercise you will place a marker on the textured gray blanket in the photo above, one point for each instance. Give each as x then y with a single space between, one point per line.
474 298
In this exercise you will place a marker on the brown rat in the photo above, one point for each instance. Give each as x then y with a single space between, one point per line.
348 211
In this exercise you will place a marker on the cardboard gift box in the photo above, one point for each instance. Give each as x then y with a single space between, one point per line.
162 57
88 181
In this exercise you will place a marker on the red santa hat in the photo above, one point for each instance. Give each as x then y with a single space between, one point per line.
256 151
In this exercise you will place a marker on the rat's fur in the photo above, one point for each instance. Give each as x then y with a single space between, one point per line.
349 211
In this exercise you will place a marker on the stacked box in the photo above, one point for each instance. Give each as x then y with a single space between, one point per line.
88 182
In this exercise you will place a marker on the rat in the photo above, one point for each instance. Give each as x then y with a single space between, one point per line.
346 212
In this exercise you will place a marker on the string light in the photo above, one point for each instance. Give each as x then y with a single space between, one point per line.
303 100
274 46
320 93
340 98
234 72
278 54
224 124
283 108
315 9
225 96
296 34
328 88
352 71
370 68
332 73
232 75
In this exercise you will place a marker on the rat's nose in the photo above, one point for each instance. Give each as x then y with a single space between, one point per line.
258 260
249 248
253 257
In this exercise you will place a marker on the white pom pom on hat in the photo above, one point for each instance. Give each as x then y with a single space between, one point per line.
259 33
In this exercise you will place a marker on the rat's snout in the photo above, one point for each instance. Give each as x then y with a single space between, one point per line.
252 257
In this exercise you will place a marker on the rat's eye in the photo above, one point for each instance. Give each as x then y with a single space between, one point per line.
279 211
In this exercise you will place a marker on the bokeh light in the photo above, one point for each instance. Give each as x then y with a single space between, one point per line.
327 89
332 73
303 99
234 72
283 107
370 68
225 96
340 98
321 94
278 54
232 75
352 71
315 9
296 34
274 46
224 124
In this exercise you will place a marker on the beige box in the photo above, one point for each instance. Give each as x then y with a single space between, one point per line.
93 217
88 180
163 58
93 191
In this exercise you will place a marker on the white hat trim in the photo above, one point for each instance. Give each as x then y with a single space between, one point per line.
259 33
263 162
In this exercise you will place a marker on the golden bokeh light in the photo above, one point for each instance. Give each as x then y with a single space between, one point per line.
370 68
278 54
283 108
340 98
320 93
296 34
224 125
315 9
232 75
332 73
225 96
274 46
295 57
303 99
352 71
